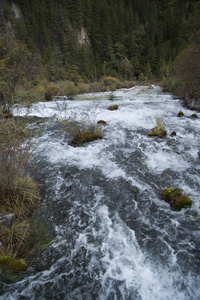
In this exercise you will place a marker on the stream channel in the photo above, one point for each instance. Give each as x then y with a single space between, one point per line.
113 236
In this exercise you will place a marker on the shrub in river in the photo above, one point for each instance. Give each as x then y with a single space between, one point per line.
159 130
180 114
113 107
85 136
176 198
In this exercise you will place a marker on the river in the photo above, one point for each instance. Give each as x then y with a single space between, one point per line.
114 238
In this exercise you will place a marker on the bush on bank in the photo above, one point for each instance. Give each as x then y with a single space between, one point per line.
18 195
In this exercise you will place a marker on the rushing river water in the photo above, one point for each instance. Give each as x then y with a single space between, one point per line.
114 238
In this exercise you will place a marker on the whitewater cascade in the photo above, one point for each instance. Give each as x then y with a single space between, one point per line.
114 238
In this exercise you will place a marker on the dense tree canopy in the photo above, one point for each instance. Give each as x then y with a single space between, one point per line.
126 38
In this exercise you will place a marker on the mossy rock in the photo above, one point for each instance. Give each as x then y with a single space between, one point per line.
194 116
183 202
113 107
102 122
12 265
157 131
180 114
166 194
176 198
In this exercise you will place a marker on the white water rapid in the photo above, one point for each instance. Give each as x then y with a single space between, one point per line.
113 236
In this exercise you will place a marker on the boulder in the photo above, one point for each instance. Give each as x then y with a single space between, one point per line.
173 133
194 116
180 114
102 122
193 103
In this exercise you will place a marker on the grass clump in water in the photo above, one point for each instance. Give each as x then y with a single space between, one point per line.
159 130
12 265
85 136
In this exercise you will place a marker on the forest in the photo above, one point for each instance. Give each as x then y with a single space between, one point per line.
127 39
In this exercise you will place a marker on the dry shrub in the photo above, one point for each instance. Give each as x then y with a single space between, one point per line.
83 88
52 90
18 192
70 89
15 146
97 87
112 81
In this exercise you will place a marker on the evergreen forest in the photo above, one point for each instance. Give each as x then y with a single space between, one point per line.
128 39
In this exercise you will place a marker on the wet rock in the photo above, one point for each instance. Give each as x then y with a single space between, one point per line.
102 122
194 116
176 198
180 114
173 133
113 107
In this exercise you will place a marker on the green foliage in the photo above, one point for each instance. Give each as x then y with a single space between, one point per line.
123 35
18 67
123 39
